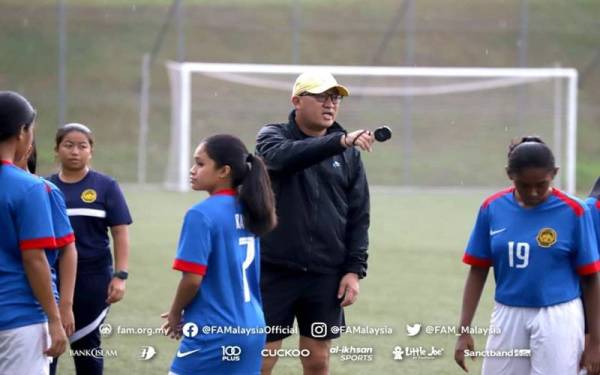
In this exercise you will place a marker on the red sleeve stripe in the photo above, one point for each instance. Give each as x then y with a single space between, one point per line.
598 204
577 208
497 195
38 243
475 261
182 265
64 241
589 268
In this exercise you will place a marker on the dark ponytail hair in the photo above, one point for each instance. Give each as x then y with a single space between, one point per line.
32 159
529 152
16 113
249 175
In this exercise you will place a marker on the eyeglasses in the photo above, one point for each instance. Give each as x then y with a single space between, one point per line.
322 98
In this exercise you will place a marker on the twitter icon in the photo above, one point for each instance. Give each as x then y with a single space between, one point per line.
413 330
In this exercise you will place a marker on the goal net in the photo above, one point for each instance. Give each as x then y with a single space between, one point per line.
451 126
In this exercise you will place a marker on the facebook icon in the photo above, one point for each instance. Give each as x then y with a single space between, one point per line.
190 329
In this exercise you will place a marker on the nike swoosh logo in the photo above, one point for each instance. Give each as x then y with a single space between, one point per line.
185 354
495 232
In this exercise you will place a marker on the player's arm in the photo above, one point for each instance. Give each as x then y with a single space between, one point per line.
282 154
120 236
588 266
67 260
471 295
37 270
591 292
186 291
35 230
193 252
68 271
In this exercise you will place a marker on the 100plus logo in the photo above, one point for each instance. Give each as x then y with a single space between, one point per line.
231 353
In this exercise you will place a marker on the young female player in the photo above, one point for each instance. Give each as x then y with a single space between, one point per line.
218 253
26 299
540 242
95 204
66 256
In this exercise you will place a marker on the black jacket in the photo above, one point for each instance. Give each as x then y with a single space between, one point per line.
322 201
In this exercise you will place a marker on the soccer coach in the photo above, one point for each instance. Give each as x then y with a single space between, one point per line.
312 262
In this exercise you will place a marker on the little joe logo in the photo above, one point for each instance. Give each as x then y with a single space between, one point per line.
231 353
416 352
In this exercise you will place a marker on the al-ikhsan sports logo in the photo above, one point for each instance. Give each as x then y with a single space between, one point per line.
546 237
89 196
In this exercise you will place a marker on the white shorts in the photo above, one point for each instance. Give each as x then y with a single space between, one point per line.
22 350
554 334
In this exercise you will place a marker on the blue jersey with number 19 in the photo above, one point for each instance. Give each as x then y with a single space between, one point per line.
215 244
537 253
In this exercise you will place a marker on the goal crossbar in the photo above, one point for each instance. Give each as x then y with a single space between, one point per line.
180 81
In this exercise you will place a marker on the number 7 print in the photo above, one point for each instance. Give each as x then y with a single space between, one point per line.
249 243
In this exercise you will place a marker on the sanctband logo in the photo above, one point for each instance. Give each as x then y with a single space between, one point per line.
231 353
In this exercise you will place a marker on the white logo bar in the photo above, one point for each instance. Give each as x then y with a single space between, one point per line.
86 212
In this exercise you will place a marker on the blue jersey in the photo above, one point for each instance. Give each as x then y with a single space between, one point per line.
62 229
25 225
94 204
214 243
537 253
594 205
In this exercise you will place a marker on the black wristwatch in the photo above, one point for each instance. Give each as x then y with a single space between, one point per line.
121 275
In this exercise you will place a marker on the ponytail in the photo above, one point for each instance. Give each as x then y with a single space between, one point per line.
256 196
248 175
32 159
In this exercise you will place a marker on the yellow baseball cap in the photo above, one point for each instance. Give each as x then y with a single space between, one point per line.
317 82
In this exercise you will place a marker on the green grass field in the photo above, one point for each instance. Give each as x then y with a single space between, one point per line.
415 275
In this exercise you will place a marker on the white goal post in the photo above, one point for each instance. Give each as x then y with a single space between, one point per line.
180 78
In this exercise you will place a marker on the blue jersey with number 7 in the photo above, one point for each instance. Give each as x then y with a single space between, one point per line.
214 243
537 253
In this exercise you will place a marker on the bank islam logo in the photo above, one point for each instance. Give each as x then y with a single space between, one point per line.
190 329
413 330
105 329
147 353
231 353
